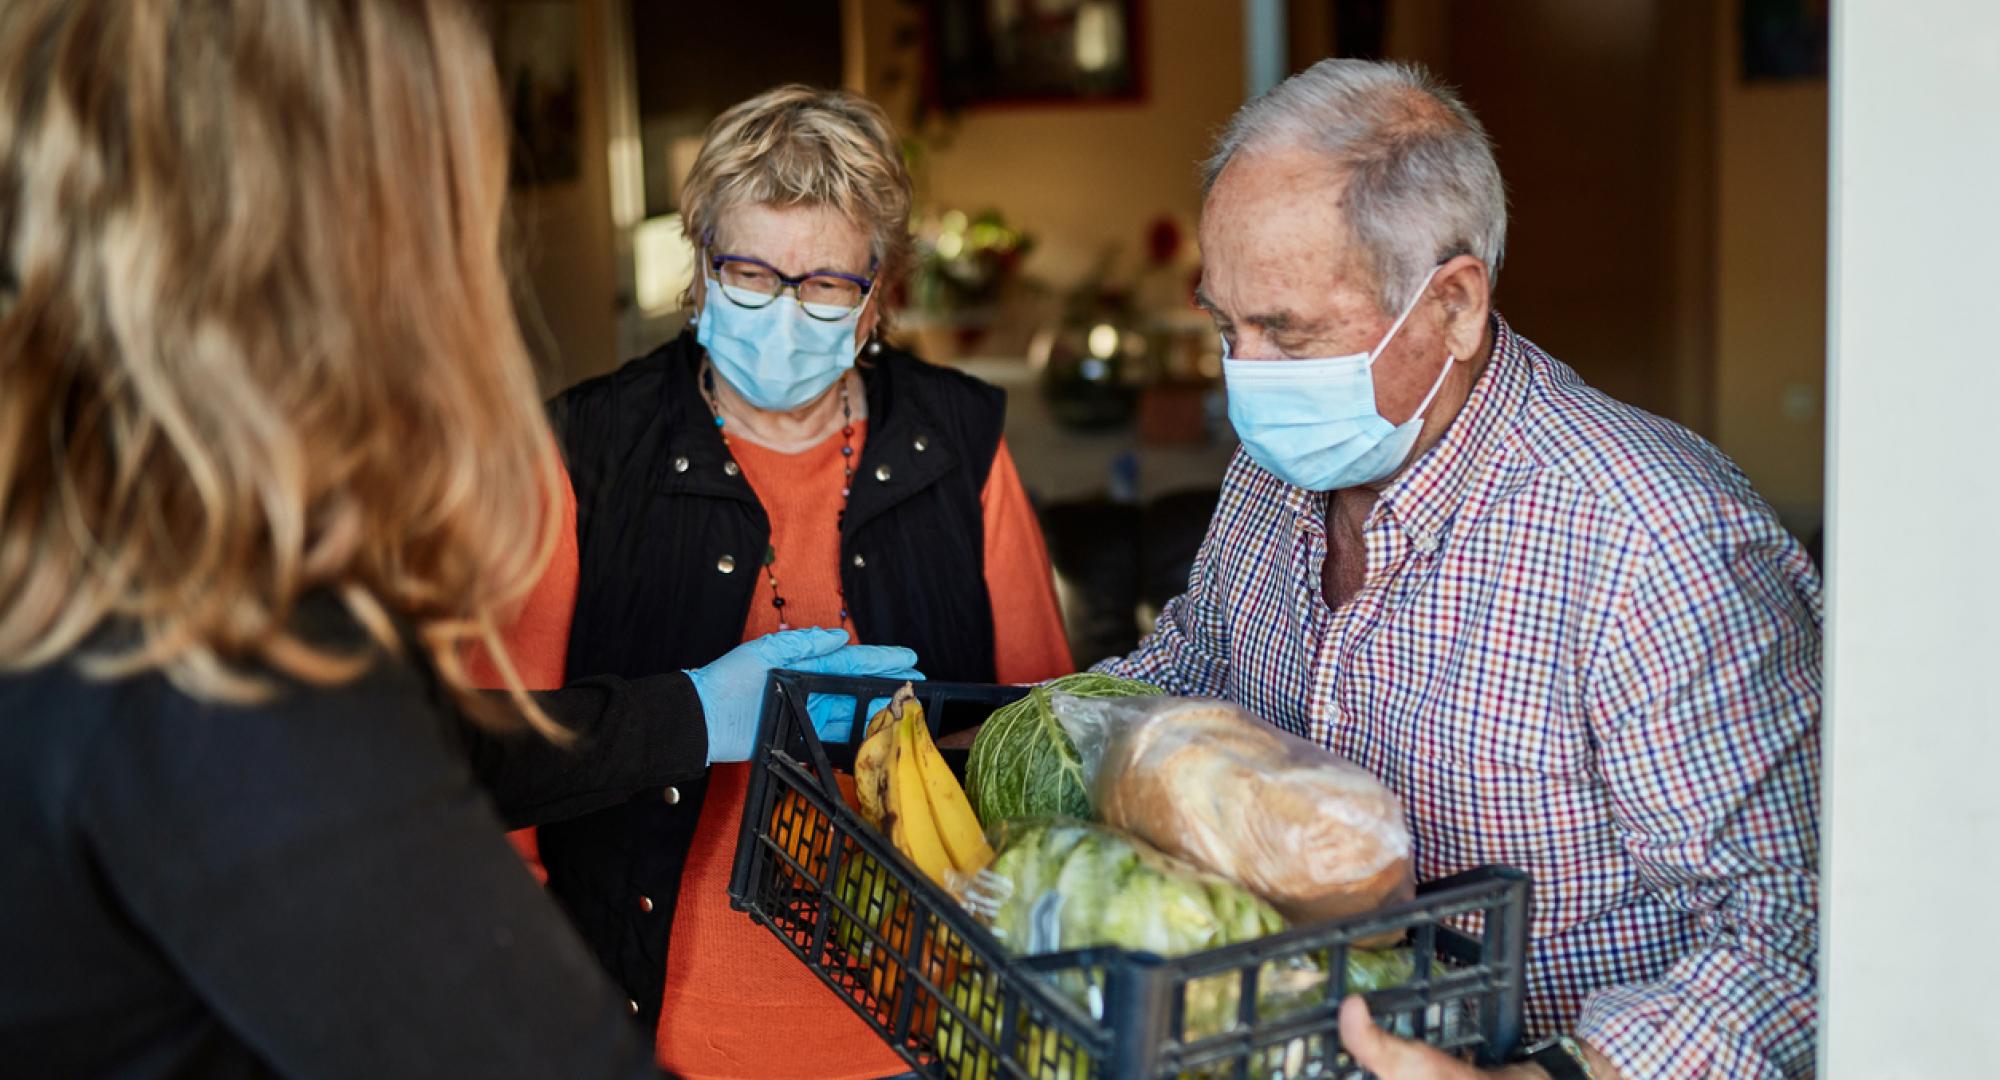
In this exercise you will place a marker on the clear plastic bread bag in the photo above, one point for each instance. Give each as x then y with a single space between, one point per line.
1316 835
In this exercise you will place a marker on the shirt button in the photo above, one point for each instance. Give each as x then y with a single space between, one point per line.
923 443
1425 542
672 796
860 562
726 564
646 904
680 464
882 473
730 468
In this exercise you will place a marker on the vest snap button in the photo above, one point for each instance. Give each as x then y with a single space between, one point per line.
882 473
672 796
726 564
680 464
729 468
923 443
859 561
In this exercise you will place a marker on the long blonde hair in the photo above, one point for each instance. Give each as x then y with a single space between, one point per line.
256 341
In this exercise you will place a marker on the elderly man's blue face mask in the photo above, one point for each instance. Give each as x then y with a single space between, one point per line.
1313 423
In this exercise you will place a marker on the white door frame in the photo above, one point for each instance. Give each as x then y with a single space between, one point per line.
1912 798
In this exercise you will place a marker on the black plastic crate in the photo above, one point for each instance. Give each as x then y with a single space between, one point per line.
941 990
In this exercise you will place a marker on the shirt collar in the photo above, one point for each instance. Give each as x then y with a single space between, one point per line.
1424 499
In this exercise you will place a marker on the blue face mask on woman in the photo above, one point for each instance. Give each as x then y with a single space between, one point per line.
1313 424
776 356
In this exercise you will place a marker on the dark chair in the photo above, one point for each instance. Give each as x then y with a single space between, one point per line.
1116 564
1094 545
1171 532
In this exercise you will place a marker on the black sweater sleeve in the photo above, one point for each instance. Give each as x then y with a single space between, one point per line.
330 879
630 736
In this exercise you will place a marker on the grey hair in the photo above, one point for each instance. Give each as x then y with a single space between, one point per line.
1421 184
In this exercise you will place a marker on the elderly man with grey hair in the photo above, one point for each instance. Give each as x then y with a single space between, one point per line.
1565 631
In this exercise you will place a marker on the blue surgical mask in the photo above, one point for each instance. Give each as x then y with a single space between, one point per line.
1313 424
776 356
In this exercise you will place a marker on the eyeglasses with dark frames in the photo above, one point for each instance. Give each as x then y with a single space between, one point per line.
826 295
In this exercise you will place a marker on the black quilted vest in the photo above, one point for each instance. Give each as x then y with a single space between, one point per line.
670 539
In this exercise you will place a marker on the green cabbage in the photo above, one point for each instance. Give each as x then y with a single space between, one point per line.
1369 970
1075 885
1024 766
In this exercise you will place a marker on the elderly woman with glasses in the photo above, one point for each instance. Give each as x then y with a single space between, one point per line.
777 466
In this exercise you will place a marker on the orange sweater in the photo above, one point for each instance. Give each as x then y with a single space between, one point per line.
538 640
737 1005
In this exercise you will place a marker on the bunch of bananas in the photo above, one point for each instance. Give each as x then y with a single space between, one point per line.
903 788
908 792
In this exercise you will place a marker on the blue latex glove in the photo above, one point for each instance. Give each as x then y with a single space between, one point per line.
833 714
732 688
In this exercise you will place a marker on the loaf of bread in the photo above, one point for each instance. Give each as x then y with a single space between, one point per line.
1311 832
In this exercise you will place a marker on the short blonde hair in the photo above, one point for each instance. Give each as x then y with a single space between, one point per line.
797 145
256 342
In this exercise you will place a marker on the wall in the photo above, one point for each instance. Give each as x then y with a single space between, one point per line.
1583 100
1603 120
1085 178
1669 220
1770 344
1912 833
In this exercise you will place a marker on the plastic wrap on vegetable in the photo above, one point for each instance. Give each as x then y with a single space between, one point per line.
1313 833
1072 885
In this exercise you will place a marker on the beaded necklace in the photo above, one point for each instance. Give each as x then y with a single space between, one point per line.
846 488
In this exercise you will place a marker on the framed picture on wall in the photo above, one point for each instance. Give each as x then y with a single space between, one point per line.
1783 39
535 44
1016 52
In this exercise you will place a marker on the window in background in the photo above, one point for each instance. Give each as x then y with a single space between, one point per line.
664 263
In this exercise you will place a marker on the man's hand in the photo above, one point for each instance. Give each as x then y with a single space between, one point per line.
1392 1058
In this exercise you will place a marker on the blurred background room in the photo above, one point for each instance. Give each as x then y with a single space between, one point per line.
1666 162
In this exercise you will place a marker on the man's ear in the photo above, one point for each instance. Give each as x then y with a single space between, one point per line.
1463 287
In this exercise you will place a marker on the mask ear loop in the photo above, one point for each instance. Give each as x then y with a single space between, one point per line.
873 345
1404 317
705 274
1449 360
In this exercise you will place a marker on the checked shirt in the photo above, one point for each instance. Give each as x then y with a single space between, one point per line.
1583 648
